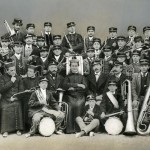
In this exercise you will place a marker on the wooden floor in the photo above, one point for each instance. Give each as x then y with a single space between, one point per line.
70 142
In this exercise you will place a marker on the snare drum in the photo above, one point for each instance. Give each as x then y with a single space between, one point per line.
113 126
46 126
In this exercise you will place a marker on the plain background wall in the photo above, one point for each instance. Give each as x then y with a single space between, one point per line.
100 13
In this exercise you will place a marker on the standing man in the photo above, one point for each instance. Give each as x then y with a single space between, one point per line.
112 40
140 83
146 32
11 111
47 34
16 33
89 40
96 81
73 41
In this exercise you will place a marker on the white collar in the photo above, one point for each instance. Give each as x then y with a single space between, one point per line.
98 74
48 33
143 74
28 46
43 59
72 33
90 38
118 76
18 55
43 90
106 57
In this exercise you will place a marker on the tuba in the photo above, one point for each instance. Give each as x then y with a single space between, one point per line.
126 90
143 125
64 108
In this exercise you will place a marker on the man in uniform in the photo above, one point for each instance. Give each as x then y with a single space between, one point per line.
112 40
47 34
89 40
140 83
146 32
73 41
16 34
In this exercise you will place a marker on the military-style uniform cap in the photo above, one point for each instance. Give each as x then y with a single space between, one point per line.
56 47
53 63
112 82
144 62
138 39
56 37
70 24
112 29
28 35
32 67
47 24
40 38
107 48
44 48
18 43
17 21
146 28
132 28
30 25
91 28
90 97
9 64
97 40
121 54
136 52
43 79
121 38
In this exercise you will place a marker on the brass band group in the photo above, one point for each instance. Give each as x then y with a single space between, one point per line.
54 84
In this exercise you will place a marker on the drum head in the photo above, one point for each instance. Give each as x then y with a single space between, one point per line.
113 126
46 126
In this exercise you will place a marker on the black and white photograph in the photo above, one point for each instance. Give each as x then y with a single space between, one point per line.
74 75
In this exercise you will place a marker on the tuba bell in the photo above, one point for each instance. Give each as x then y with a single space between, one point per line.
130 128
143 125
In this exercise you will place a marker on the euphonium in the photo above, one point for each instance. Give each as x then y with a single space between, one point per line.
64 107
130 128
143 127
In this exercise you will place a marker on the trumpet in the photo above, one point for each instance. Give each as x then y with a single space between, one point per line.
143 127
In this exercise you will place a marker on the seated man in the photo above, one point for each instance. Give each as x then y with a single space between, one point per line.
42 104
96 81
112 102
91 116
75 85
11 109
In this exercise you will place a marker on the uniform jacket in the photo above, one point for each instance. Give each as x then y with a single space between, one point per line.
76 41
107 106
94 87
54 84
96 111
136 85
35 105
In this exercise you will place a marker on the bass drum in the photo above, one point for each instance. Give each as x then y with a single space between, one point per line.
113 126
46 126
